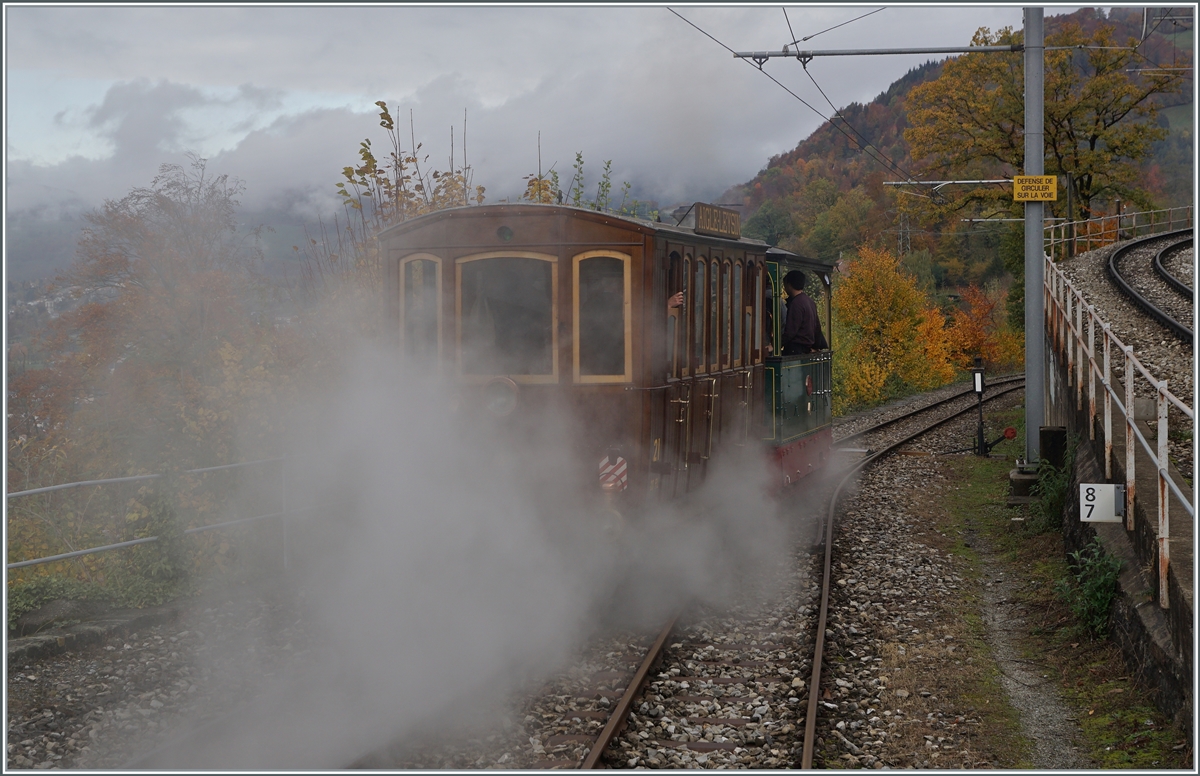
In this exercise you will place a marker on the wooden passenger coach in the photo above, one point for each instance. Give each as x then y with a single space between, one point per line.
536 305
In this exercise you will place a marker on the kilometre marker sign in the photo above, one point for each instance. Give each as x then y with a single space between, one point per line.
1035 188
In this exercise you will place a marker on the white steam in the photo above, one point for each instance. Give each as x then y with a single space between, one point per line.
457 559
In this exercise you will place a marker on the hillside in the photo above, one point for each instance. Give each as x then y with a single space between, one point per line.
826 196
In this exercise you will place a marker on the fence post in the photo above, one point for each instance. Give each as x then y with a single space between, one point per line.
1130 440
1079 357
1069 345
1091 350
1108 392
1164 504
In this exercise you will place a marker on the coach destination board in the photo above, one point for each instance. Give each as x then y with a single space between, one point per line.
1035 188
717 221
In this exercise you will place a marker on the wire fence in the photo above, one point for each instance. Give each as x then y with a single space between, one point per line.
1061 240
1067 312
1069 238
281 513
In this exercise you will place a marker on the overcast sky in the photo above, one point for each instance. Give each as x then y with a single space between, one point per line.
97 97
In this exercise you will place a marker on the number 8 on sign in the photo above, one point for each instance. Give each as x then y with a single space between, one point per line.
1096 503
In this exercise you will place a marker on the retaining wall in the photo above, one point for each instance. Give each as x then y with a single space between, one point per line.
1156 642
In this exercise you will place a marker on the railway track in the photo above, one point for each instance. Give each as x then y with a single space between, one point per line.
742 685
1136 268
1162 266
709 688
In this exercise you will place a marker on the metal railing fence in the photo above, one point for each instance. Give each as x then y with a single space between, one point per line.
145 540
1066 309
1067 238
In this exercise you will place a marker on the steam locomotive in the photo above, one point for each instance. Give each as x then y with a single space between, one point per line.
532 306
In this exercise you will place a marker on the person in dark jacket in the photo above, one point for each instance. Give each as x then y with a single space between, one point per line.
801 327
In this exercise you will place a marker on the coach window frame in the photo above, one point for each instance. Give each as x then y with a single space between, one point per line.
737 355
553 377
714 313
676 282
699 315
627 315
437 261
727 314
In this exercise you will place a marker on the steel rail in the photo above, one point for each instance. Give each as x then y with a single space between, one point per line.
814 686
1171 280
1182 332
616 722
1004 380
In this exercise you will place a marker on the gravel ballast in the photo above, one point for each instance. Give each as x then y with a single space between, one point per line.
731 690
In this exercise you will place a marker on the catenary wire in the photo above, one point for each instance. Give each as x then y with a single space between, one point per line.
878 156
836 112
834 27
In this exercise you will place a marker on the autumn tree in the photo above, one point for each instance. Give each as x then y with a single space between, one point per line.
1100 118
161 366
979 327
771 223
892 338
342 258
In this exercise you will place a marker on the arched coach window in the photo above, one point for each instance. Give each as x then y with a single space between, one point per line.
698 300
506 322
420 305
758 314
714 315
738 313
685 352
603 341
727 313
675 283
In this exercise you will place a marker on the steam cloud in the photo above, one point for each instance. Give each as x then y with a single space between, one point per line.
460 562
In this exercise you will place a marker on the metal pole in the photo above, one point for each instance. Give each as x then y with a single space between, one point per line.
763 56
1130 441
1070 225
1035 367
1108 394
1091 349
1164 503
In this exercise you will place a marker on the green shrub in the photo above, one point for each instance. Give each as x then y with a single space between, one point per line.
1094 587
144 575
1051 491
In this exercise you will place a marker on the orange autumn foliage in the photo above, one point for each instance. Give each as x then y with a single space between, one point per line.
979 329
891 339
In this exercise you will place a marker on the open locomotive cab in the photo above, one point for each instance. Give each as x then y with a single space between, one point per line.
547 311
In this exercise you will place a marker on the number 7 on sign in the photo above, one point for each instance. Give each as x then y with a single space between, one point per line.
1096 502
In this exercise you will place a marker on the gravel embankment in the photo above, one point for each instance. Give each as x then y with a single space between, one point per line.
1137 268
98 707
898 649
549 726
1181 264
731 690
1157 349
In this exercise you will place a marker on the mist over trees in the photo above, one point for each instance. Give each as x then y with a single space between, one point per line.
1117 126
173 348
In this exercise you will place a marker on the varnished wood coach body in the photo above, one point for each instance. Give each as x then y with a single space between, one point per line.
532 307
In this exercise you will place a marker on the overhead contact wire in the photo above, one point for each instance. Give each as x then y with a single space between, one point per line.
878 156
834 27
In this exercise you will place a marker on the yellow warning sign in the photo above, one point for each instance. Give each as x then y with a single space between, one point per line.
1035 188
